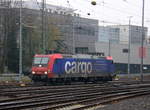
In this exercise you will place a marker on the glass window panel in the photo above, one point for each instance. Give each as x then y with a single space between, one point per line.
41 60
37 60
44 60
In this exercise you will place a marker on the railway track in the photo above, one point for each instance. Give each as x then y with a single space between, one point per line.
76 97
17 88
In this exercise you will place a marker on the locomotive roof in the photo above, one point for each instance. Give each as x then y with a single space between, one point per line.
82 56
73 56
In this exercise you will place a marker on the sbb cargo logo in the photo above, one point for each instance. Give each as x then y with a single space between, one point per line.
78 67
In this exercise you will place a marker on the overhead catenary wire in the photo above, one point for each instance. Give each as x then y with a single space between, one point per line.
105 5
109 6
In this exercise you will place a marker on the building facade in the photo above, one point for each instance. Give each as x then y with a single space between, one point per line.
133 32
78 35
122 33
107 34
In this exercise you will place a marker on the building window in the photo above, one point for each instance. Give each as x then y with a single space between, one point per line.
84 30
82 50
101 54
125 50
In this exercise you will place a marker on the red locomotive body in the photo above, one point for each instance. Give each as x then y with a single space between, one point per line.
43 64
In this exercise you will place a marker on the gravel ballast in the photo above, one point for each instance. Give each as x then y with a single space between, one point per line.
138 103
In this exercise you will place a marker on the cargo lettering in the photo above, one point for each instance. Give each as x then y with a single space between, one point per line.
78 67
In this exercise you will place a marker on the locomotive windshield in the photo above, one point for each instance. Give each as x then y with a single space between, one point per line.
43 61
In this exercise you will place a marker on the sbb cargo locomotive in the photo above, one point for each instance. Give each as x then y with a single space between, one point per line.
66 68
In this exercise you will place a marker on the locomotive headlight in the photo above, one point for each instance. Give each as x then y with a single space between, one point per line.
33 72
45 72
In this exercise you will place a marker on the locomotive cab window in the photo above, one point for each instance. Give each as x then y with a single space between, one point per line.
37 60
44 60
40 61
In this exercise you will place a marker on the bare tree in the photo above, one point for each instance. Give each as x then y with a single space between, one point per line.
8 22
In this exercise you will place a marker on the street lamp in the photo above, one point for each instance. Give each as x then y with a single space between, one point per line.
129 42
93 2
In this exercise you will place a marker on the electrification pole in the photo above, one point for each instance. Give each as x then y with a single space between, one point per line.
142 41
43 27
20 42
129 46
73 20
73 37
109 54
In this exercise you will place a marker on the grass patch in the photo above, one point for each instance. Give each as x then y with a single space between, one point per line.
25 79
14 79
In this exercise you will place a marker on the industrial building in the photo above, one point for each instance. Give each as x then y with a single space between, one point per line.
119 52
77 34
125 35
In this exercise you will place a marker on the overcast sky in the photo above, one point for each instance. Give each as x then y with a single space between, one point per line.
109 11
